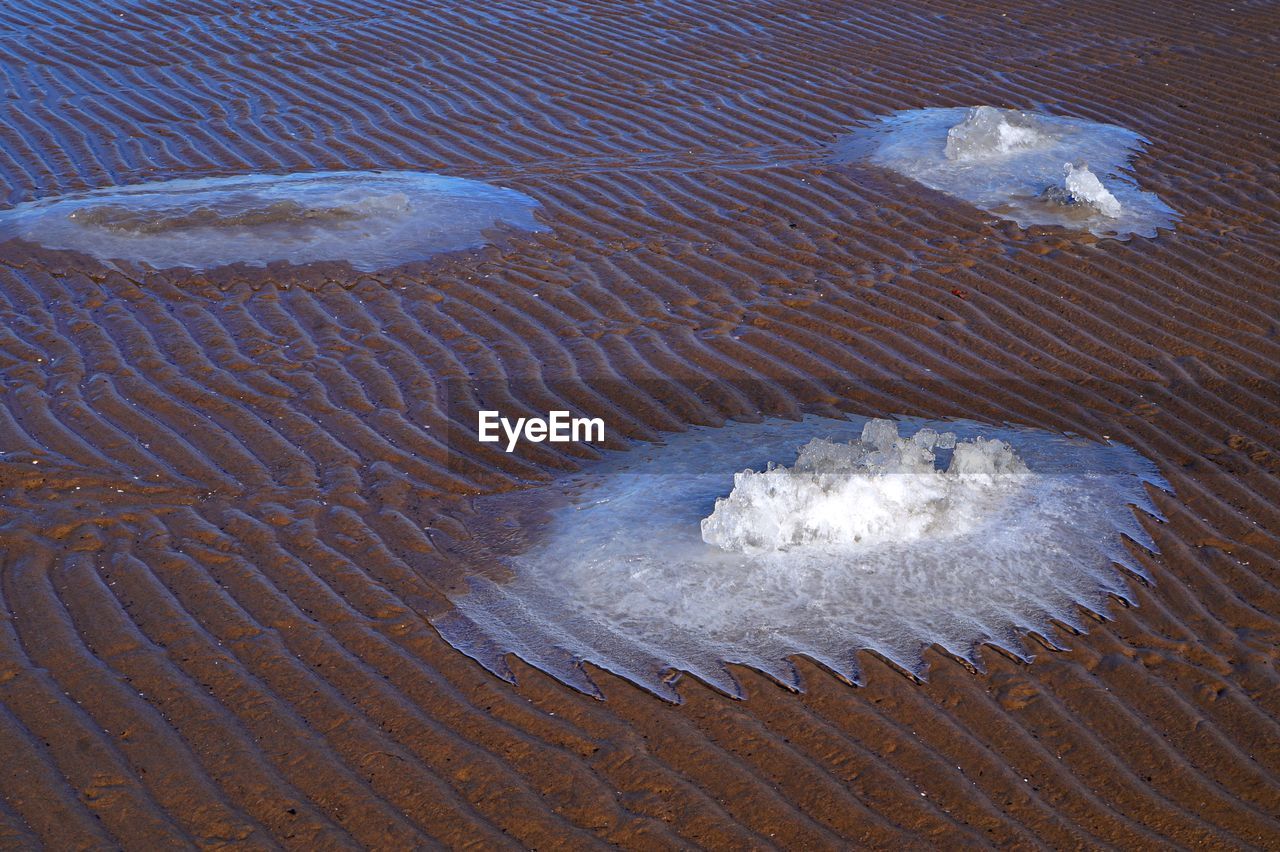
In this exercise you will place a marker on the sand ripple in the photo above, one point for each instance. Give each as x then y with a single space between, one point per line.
232 501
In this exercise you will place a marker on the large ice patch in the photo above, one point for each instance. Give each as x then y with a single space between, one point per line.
371 219
1032 168
753 543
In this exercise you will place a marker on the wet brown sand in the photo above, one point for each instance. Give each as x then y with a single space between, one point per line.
229 499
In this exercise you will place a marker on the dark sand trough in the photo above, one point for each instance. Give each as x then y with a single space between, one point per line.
232 500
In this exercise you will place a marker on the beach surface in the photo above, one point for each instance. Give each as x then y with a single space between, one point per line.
232 502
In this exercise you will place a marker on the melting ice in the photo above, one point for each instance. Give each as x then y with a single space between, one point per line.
753 543
879 489
371 219
1032 168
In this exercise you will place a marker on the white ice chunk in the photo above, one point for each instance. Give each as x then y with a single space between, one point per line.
989 132
856 494
1084 187
880 434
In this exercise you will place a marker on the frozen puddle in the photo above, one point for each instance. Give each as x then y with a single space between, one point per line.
683 556
371 219
1034 169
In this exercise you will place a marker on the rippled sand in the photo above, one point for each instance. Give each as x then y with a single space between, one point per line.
232 500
